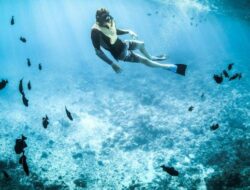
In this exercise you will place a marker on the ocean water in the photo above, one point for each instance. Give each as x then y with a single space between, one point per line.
125 126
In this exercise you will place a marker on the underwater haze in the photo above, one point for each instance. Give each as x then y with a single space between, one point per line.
125 126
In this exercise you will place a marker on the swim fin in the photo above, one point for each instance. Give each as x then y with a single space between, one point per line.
181 69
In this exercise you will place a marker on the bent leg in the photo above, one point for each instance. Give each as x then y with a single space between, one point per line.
140 45
133 57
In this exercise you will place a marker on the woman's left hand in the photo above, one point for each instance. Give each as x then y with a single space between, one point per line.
133 35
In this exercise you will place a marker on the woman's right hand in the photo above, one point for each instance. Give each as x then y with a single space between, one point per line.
116 68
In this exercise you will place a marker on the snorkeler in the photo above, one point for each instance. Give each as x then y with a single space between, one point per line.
105 34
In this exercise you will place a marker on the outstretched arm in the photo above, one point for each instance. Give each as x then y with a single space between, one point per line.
121 32
103 56
96 43
95 37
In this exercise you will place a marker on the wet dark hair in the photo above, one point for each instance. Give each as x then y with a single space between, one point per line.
102 16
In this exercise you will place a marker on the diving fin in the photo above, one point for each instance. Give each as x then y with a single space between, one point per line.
181 69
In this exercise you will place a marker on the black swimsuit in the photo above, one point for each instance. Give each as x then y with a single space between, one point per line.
99 39
119 49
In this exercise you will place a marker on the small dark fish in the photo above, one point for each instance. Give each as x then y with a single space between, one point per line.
218 79
21 86
225 73
28 62
23 39
68 114
149 14
170 170
202 95
12 22
40 66
3 84
240 76
23 161
235 76
191 108
45 122
230 66
20 145
29 85
214 127
25 100
6 175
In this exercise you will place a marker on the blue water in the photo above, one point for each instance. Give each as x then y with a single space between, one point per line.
126 125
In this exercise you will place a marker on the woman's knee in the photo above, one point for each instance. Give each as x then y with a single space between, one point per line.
141 45
135 44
